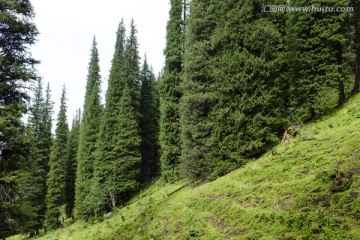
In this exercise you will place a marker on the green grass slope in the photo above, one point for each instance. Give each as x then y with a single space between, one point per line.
310 191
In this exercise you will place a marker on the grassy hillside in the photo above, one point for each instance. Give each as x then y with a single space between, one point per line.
309 191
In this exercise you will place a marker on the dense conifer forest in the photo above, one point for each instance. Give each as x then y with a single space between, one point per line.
235 79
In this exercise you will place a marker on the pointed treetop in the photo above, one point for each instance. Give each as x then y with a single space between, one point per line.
94 50
120 43
63 95
133 27
48 91
132 51
120 35
48 97
93 77
145 60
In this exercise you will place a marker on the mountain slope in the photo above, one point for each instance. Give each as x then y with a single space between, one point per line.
310 190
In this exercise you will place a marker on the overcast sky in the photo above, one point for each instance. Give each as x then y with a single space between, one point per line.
66 30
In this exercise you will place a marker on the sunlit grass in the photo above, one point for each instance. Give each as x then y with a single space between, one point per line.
310 191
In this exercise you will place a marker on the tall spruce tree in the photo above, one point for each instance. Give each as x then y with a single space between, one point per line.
71 163
47 121
197 97
316 43
233 104
56 181
250 81
123 179
124 170
170 92
117 168
88 136
356 20
16 71
44 143
103 187
33 189
149 124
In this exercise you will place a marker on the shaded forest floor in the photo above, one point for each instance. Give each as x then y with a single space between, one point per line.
310 191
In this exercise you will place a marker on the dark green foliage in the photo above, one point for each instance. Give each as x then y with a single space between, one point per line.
17 32
33 189
132 66
56 181
71 163
234 87
170 93
117 167
123 178
251 92
16 70
149 124
108 151
16 214
317 43
46 135
356 21
88 136
197 100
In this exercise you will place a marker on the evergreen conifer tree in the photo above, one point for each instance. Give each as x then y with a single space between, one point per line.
149 124
233 102
47 121
124 171
16 71
71 164
170 93
316 48
89 130
33 189
197 97
108 152
56 181
118 164
250 82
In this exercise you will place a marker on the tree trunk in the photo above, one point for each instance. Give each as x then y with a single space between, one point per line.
312 115
339 57
341 93
113 200
57 220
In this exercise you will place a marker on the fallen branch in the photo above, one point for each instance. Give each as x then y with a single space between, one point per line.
309 138
187 184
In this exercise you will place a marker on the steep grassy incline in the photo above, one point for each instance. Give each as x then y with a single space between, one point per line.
309 191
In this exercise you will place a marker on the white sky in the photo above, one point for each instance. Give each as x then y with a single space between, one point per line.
66 30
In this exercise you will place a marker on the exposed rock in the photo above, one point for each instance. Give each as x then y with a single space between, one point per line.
341 181
354 194
107 215
309 138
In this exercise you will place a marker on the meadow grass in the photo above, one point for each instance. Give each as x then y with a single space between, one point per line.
309 191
